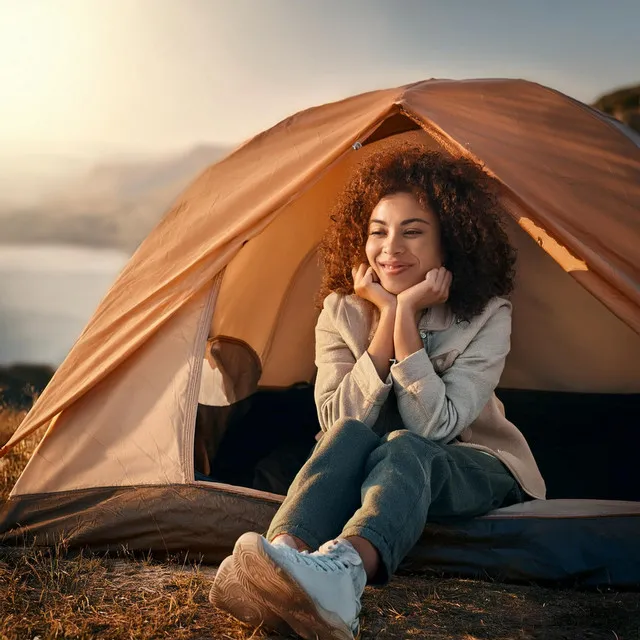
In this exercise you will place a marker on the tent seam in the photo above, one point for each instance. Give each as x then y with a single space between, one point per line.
189 425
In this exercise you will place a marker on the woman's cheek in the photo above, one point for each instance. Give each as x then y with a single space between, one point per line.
372 264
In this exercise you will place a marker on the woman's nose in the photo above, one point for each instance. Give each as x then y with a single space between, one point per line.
392 245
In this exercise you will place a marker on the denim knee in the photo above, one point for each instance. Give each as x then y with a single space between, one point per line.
347 429
407 450
403 438
400 435
345 424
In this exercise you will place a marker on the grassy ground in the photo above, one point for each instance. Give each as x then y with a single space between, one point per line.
54 593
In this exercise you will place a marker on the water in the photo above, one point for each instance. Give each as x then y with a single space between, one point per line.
47 295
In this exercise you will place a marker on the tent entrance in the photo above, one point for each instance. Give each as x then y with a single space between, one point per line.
570 384
260 442
581 442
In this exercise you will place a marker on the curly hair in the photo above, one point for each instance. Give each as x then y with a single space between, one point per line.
459 192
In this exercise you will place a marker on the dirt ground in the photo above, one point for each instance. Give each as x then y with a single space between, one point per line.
47 594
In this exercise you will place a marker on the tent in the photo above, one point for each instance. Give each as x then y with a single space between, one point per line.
212 321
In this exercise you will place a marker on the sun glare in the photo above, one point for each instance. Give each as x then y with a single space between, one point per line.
40 67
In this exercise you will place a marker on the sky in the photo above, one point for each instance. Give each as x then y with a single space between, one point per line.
150 76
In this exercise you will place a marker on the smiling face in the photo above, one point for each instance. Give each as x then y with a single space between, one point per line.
403 242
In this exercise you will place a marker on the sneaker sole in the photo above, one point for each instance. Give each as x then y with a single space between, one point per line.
285 596
252 609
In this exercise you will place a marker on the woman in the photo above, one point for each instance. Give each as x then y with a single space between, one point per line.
410 345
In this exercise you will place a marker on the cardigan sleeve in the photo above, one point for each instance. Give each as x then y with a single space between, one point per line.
346 386
441 408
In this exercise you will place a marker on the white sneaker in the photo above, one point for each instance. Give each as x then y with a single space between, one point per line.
317 594
229 594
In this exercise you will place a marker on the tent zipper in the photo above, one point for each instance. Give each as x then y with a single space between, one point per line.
194 381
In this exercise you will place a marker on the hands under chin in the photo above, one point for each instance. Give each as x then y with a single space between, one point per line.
367 286
434 289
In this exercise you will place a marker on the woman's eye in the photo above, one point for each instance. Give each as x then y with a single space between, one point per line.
407 232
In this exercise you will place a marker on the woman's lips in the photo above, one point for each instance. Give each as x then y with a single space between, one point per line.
394 269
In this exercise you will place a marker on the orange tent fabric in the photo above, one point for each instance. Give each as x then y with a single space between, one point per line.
581 191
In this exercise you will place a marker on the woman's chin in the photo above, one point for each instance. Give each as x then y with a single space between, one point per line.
395 287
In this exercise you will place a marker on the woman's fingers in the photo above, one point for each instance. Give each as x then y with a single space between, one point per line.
368 275
362 274
449 279
446 284
438 278
438 281
445 277
432 277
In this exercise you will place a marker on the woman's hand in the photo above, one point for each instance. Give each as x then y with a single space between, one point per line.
367 286
434 289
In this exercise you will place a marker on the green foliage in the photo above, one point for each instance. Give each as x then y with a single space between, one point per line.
623 104
622 99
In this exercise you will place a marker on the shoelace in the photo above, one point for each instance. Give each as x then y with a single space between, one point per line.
325 562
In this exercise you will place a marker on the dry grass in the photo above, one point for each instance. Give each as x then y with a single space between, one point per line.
52 593
12 465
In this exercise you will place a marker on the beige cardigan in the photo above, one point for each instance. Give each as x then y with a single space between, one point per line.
444 392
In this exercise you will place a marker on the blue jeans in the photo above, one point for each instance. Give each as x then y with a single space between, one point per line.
385 489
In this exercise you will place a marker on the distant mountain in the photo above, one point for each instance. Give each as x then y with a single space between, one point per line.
623 104
113 204
26 177
132 180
